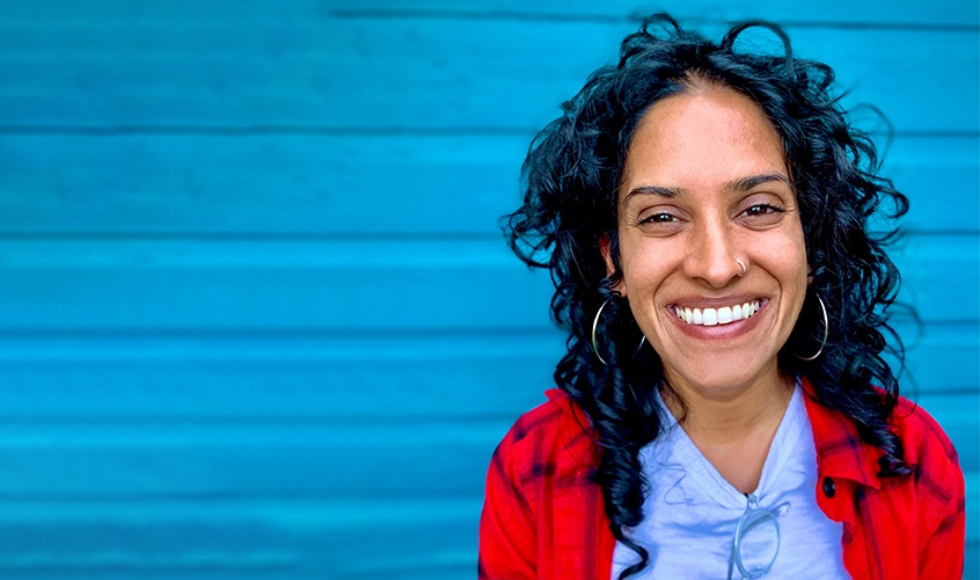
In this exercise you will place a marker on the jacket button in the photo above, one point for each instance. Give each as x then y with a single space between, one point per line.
829 489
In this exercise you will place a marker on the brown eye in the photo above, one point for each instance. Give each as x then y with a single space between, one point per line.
660 221
658 218
762 209
762 215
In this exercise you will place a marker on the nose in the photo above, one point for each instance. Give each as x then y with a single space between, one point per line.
712 255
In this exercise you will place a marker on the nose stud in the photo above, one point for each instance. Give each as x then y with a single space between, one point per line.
742 264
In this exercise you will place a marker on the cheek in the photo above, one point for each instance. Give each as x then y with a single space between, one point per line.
786 251
635 271
803 267
635 262
648 267
793 268
795 271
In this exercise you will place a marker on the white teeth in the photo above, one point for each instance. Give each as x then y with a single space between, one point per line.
717 316
709 317
725 315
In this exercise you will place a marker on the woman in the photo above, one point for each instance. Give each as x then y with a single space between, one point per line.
723 410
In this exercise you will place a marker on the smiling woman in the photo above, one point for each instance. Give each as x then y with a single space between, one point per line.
711 206
705 192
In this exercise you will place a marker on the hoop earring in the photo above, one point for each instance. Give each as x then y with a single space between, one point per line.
826 331
595 325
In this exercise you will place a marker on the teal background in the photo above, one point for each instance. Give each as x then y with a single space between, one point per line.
256 316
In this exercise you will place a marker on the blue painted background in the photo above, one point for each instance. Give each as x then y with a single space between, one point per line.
256 316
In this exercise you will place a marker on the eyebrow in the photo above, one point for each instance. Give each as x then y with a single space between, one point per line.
668 192
747 183
739 185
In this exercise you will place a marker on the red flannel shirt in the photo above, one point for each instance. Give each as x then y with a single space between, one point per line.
544 518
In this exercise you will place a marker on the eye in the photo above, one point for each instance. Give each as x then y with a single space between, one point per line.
662 220
762 209
761 215
659 218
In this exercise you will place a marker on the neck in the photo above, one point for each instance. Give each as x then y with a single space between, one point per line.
712 415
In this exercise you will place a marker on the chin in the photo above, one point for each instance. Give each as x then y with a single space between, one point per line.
722 381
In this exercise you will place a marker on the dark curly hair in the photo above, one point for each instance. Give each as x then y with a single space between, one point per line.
572 175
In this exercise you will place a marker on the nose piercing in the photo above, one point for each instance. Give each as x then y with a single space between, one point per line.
742 264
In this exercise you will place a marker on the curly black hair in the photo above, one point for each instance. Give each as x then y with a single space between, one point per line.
572 176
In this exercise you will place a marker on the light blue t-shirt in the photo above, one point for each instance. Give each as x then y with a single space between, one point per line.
691 512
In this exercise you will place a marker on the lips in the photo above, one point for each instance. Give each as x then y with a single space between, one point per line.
717 316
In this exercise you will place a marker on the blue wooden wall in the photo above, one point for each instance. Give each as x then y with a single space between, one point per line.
256 316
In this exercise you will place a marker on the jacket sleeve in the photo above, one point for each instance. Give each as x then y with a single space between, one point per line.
508 535
943 554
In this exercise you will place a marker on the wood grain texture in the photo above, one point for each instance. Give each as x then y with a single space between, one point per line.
836 13
304 539
410 74
880 13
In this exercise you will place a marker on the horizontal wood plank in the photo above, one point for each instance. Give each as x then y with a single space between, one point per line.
876 13
427 538
332 185
332 73
955 13
285 13
353 286
273 461
413 377
253 540
89 379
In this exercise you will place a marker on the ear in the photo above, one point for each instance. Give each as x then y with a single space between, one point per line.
605 246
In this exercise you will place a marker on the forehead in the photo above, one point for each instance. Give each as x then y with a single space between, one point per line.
701 139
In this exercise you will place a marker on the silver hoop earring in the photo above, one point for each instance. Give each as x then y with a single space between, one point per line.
826 331
595 325
744 269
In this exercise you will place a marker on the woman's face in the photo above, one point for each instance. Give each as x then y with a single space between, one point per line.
706 185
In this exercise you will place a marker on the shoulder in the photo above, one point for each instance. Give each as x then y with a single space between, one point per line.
937 478
540 493
922 438
553 441
928 450
555 425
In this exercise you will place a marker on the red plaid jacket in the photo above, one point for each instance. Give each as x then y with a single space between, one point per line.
544 518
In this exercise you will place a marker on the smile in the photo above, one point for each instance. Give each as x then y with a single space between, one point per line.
717 316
